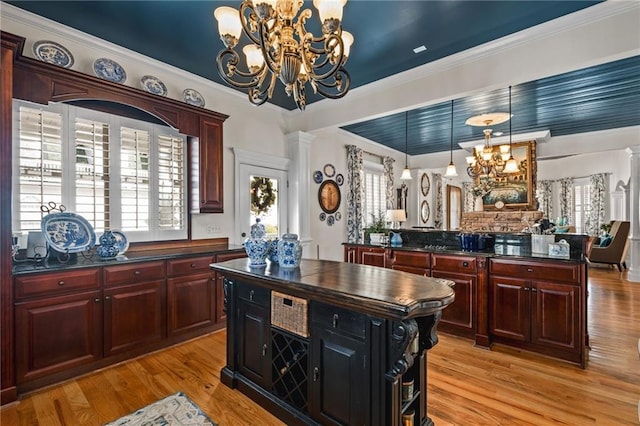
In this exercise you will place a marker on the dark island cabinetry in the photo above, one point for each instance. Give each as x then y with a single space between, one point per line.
356 348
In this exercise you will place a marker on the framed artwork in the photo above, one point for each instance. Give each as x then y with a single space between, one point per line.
425 184
516 191
329 196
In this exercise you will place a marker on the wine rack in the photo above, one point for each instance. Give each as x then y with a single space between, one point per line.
290 361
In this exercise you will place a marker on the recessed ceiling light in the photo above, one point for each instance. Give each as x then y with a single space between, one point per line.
420 49
498 134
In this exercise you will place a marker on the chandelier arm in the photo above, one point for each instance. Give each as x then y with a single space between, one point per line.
272 63
231 64
341 83
299 95
248 4
259 95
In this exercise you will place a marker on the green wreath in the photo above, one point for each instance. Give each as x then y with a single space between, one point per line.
263 196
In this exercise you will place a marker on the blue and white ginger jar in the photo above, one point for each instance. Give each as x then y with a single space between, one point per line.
289 251
257 246
107 248
273 251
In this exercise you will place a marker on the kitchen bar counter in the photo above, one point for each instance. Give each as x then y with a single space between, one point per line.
331 342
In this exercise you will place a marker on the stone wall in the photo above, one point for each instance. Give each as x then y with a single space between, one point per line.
498 221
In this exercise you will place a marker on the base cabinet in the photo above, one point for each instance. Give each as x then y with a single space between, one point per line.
340 367
57 333
539 314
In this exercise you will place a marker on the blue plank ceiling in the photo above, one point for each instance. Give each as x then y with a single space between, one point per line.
184 34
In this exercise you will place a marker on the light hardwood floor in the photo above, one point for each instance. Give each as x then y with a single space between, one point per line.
467 385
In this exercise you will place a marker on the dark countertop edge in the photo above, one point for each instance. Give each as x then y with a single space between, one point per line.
542 257
381 308
128 258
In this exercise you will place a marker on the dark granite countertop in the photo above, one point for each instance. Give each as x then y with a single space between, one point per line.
79 261
362 288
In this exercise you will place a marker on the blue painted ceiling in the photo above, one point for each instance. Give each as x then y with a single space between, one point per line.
184 34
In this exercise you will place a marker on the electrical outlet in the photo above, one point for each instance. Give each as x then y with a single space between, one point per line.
210 229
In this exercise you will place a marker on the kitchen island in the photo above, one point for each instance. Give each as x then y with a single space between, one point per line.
332 342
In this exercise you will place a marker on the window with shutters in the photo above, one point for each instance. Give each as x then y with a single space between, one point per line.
374 190
582 204
118 173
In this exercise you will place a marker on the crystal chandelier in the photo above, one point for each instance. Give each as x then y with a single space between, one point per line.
280 47
486 162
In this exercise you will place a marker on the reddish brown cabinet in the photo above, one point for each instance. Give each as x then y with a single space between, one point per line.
57 329
191 294
375 256
539 306
409 261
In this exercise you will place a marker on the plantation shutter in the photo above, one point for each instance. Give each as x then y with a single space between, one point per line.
92 172
171 185
134 169
374 188
39 165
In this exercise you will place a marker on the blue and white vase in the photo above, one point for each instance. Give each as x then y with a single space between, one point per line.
273 251
257 246
107 248
289 251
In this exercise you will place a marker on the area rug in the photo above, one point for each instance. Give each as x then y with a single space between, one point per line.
174 410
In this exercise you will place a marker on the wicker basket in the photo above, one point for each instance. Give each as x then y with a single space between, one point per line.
289 313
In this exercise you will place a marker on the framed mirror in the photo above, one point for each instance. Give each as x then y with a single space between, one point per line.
425 211
425 184
329 196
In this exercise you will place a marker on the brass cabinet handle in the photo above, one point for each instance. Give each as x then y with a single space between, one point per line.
526 289
107 297
136 273
316 374
251 293
465 264
264 350
193 265
534 289
97 300
60 283
335 320
529 269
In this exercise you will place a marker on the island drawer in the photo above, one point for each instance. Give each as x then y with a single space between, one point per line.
340 320
452 263
409 258
134 273
56 282
537 270
189 265
259 295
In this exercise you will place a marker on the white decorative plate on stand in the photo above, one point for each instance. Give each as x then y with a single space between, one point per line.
108 69
53 53
153 85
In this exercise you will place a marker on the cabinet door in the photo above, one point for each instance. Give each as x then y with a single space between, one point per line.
510 308
190 302
371 256
134 315
461 312
340 387
57 334
351 254
556 315
209 167
221 311
254 349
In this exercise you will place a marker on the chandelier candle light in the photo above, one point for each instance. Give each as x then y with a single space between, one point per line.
280 47
486 163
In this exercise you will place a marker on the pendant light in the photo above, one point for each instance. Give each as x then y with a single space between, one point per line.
512 165
451 168
406 173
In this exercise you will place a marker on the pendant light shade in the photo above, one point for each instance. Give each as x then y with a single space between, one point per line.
512 165
451 168
406 173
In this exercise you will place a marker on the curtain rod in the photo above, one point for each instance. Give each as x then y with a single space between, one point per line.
372 154
584 177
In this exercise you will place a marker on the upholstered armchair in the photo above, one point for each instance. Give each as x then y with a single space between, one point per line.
616 252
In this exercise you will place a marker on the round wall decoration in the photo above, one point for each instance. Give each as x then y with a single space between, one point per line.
329 170
329 196
425 184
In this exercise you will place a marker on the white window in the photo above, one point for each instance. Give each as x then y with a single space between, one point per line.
582 204
117 173
375 201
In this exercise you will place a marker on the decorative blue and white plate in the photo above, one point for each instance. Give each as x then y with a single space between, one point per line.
339 179
317 176
122 244
109 69
53 53
68 232
323 216
193 97
338 215
153 85
330 220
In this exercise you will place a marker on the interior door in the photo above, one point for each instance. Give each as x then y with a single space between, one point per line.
263 194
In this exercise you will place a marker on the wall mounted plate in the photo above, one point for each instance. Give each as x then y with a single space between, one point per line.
53 53
153 85
193 97
108 69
